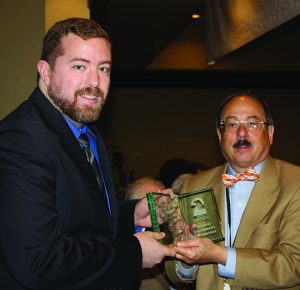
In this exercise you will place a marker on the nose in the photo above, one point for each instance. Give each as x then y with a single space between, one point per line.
94 78
242 131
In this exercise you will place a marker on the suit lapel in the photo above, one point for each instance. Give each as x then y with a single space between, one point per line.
106 170
56 123
61 130
219 190
262 198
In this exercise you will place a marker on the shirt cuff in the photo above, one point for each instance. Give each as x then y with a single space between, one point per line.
186 274
139 229
228 271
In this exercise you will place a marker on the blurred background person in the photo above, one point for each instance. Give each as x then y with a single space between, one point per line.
140 187
179 182
119 174
174 167
195 167
171 169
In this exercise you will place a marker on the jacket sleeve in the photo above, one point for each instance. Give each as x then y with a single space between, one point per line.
126 220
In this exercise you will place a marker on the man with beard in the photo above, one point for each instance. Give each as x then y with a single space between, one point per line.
259 205
61 225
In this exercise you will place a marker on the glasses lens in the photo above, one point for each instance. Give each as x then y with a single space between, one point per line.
232 125
253 124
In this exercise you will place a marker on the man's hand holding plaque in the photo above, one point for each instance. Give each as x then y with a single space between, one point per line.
186 216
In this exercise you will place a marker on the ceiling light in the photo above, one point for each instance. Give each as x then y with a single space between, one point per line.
195 16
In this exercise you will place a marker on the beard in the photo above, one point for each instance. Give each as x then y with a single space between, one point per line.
72 109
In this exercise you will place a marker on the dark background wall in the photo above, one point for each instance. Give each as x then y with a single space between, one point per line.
152 125
152 116
155 115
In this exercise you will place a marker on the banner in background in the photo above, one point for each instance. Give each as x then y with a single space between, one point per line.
231 24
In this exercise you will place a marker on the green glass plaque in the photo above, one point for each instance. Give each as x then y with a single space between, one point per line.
178 213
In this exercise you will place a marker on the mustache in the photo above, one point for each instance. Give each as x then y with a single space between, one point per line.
243 142
91 91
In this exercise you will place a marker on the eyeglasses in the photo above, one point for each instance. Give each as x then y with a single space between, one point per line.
232 125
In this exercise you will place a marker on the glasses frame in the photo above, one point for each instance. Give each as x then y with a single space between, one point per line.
223 123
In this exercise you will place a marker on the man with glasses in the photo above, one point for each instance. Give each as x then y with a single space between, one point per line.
258 198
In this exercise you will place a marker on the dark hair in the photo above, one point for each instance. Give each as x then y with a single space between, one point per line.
84 28
171 169
194 167
267 109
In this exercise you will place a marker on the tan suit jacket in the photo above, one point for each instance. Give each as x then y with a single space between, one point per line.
152 279
268 239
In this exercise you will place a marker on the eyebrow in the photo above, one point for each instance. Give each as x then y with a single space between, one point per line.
234 117
87 61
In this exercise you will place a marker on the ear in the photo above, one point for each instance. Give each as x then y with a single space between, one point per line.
271 133
44 70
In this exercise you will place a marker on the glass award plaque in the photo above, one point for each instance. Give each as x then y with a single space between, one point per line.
176 215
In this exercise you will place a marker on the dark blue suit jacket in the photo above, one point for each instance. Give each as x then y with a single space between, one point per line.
56 232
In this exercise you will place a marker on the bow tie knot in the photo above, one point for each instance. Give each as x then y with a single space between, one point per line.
249 175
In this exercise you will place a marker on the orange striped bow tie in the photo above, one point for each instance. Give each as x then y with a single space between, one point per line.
249 175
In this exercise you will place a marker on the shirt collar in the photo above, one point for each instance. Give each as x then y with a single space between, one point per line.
258 168
77 131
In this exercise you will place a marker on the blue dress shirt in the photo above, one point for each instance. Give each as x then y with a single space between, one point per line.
93 143
239 195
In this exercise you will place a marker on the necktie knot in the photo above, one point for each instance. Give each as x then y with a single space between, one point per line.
248 175
84 140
